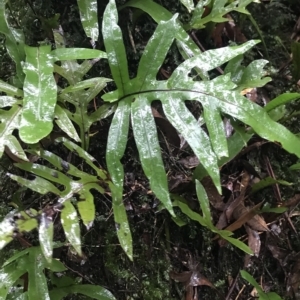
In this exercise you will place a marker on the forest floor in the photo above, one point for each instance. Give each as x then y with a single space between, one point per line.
183 260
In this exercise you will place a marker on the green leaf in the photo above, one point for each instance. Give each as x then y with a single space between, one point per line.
102 112
189 4
181 118
186 45
206 219
216 129
93 291
39 95
235 144
276 210
252 74
46 236
253 115
156 11
65 124
115 48
281 100
272 296
37 286
204 204
89 18
178 221
16 256
26 225
56 266
237 243
187 211
38 184
115 149
86 208
295 167
10 89
84 84
278 113
218 10
85 156
6 231
261 293
156 51
9 121
268 181
9 275
14 42
76 53
70 224
121 221
207 61
80 98
144 130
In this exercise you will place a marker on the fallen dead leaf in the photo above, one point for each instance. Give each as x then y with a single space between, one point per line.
249 216
254 244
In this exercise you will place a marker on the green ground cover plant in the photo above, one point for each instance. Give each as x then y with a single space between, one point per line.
35 102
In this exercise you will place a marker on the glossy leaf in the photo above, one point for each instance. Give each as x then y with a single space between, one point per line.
216 129
115 48
144 130
88 83
156 11
189 4
14 43
181 118
89 18
217 96
116 144
86 208
9 275
76 53
204 203
235 144
219 9
156 51
93 291
10 89
70 223
207 61
281 100
79 97
65 124
6 231
9 122
237 243
39 95
38 184
16 257
56 266
252 75
186 45
102 112
81 187
37 286
46 236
